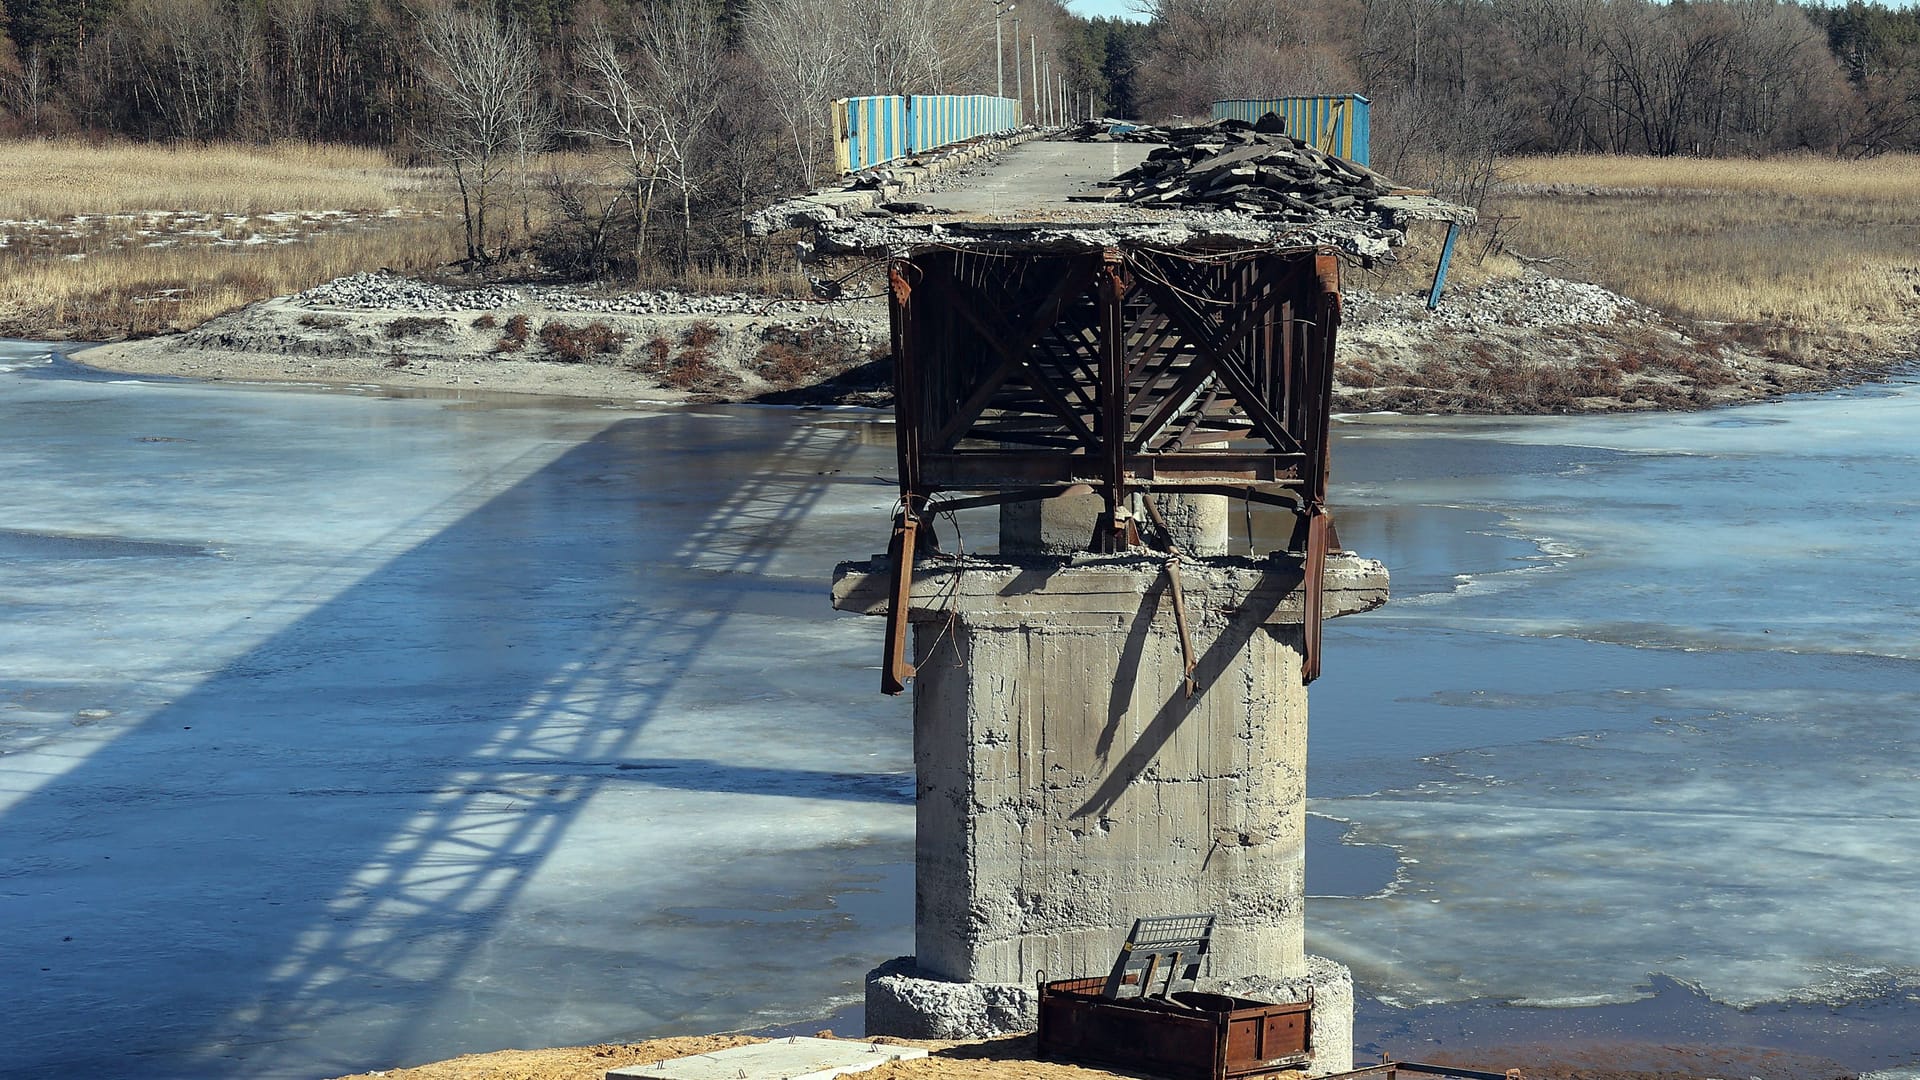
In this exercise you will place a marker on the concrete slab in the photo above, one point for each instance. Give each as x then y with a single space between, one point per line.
796 1058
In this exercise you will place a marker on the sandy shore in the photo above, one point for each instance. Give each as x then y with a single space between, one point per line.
499 341
599 382
1013 1059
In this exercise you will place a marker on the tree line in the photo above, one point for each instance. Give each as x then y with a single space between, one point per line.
347 70
682 114
678 115
1692 77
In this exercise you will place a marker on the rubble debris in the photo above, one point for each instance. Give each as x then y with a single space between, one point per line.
1224 183
1233 165
394 292
1107 129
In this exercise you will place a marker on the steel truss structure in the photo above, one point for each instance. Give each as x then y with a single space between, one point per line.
1129 371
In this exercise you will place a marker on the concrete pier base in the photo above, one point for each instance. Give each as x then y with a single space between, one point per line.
909 1003
1069 779
1072 775
905 1002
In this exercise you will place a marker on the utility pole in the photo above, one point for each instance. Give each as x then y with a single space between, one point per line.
1047 69
1033 57
1019 91
1001 9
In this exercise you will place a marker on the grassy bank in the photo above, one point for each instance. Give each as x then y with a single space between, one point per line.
1758 278
113 240
1801 245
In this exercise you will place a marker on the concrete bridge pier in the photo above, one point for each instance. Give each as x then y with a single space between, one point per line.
1071 777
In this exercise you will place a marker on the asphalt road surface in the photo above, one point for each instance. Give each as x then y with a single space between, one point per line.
1040 175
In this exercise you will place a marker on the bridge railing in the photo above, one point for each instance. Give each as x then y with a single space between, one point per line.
870 131
1337 124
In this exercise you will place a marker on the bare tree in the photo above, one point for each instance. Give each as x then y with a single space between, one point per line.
588 206
616 112
813 51
807 51
679 61
187 68
652 103
36 83
1212 49
485 118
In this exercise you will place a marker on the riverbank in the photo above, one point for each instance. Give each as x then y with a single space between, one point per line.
1533 343
1013 1059
395 331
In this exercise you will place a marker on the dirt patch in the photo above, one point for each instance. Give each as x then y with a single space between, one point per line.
994 1059
567 1063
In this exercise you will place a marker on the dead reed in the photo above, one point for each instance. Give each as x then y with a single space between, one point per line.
147 290
1410 269
1801 242
47 179
100 241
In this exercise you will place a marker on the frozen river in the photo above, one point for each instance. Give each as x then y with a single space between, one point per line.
341 730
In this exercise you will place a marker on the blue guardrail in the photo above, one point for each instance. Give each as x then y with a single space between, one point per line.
870 131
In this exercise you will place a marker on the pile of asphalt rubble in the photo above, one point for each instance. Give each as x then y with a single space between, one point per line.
392 292
1254 169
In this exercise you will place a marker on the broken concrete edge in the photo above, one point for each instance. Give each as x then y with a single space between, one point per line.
1109 584
1197 230
1402 210
893 181
905 1002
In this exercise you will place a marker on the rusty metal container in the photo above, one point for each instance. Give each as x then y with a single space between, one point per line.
1214 1037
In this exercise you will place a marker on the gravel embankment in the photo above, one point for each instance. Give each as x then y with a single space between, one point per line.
394 292
389 330
1543 344
1531 344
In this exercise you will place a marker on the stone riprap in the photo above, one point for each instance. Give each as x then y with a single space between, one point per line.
1107 129
1531 301
392 292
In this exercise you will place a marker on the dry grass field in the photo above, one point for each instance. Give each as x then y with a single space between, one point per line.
103 241
1804 244
59 178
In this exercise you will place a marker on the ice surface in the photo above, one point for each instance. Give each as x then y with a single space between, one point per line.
1677 737
343 731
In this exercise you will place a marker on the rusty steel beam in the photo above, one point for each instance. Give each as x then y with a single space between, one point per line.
1313 571
1111 281
906 383
1020 376
1002 468
896 669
